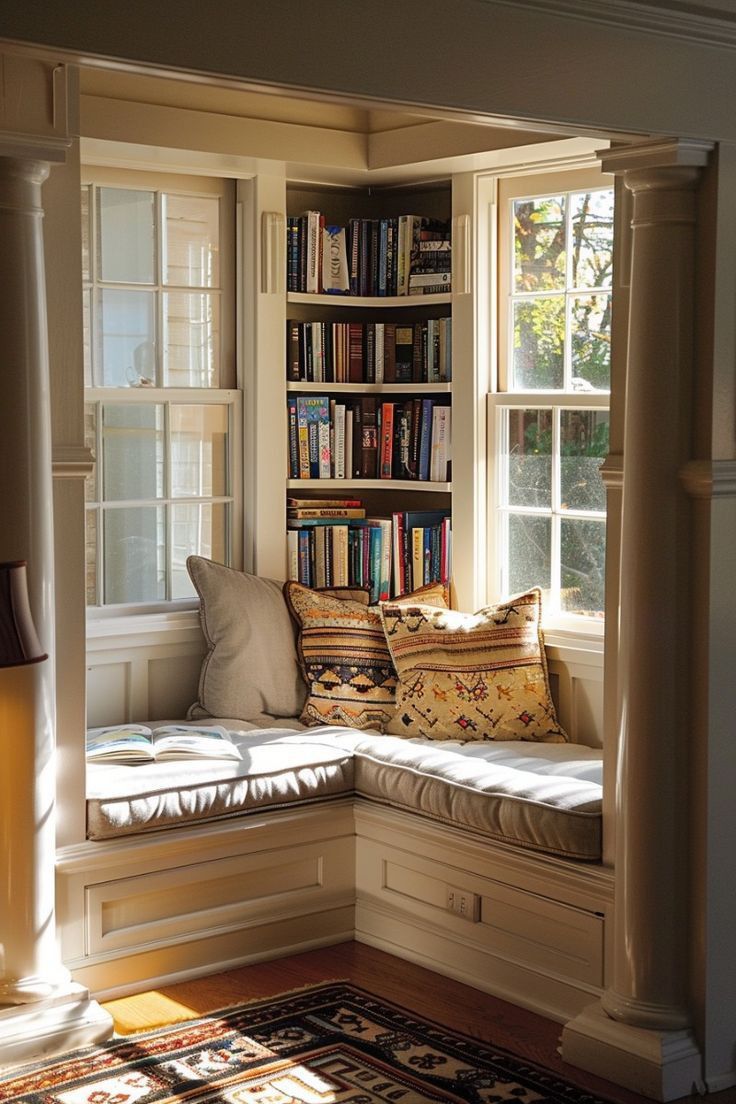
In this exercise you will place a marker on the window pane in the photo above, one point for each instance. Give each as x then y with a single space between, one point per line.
591 248
90 440
199 451
135 557
191 340
196 529
583 554
127 338
584 446
529 552
539 336
133 452
90 556
126 235
191 241
87 335
590 324
539 244
529 437
86 276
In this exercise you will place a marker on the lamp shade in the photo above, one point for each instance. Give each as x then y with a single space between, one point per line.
18 640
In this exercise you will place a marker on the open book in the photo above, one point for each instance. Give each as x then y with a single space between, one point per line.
134 743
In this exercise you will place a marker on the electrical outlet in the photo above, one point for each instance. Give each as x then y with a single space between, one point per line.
463 903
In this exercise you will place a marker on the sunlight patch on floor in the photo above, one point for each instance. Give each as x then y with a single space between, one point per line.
147 1011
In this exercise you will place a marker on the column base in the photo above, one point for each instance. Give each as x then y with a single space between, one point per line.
46 1028
663 1065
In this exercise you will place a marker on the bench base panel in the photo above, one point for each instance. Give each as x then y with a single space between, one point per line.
138 912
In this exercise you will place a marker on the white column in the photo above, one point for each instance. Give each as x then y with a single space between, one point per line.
54 1013
29 967
639 1034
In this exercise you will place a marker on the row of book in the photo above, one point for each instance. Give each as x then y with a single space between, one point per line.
390 556
363 438
369 352
407 255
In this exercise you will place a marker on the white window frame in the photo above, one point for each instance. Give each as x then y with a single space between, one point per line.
228 394
495 196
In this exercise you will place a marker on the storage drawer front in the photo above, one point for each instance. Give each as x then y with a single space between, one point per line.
512 923
201 897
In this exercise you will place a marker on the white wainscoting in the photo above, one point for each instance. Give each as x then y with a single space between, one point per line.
147 668
142 668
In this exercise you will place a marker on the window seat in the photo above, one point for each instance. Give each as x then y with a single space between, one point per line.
542 797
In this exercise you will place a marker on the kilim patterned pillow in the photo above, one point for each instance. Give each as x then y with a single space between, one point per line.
480 676
344 656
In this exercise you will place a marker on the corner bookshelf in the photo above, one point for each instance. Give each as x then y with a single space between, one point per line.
381 497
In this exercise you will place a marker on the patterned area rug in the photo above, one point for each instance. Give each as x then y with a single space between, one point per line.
331 1044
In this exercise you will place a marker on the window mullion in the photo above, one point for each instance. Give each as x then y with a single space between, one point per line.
158 270
168 507
567 346
100 542
555 549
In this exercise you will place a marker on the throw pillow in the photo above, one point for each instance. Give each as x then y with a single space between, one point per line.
344 657
250 667
480 676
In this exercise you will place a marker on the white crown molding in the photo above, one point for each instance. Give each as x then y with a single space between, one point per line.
612 471
72 461
712 26
709 478
664 154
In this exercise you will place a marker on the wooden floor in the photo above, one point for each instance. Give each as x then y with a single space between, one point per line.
421 991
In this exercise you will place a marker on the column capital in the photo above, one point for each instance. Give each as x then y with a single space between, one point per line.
37 125
670 153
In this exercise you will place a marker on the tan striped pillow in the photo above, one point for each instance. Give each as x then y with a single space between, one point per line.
480 676
344 657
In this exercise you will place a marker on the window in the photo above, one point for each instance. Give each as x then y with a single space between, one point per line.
549 424
161 410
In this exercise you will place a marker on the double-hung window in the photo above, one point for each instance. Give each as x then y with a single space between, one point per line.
162 409
549 416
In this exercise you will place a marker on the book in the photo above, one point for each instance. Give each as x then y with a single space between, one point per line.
368 437
335 273
313 415
135 743
387 440
294 471
403 354
312 251
425 438
301 512
328 502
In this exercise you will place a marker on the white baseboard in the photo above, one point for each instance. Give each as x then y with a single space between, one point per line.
555 998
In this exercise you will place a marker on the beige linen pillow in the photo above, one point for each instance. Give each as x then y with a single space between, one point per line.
480 676
251 665
344 657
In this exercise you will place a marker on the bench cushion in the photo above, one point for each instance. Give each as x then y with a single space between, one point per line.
274 773
544 797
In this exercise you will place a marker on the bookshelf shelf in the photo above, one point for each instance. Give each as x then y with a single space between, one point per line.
371 388
364 301
347 486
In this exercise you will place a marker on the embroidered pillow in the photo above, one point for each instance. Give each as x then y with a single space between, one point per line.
344 657
480 676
